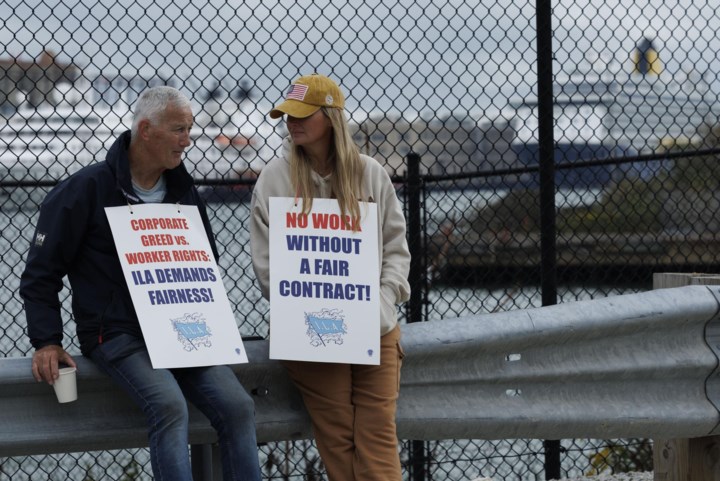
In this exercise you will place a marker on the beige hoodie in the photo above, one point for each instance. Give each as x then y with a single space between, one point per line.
274 181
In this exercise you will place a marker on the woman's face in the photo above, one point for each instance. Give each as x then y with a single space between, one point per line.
313 130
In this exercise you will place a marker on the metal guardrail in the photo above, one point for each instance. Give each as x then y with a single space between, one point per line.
636 365
104 417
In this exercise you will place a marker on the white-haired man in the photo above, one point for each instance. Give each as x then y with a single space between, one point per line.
73 238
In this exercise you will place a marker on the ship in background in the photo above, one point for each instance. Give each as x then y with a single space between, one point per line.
45 138
607 109
604 109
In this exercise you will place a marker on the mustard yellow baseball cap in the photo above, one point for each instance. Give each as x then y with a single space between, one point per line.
307 94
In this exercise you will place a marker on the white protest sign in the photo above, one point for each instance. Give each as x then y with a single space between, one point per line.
324 283
175 284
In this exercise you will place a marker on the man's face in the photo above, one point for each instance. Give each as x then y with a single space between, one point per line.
169 136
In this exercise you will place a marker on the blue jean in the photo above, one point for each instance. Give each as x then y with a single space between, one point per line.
162 394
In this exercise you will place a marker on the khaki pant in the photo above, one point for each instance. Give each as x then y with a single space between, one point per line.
352 408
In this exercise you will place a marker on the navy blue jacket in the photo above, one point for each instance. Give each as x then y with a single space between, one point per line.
73 238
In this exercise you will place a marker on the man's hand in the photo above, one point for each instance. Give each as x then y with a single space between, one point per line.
45 363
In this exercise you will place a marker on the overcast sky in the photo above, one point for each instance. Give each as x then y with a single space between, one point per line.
397 55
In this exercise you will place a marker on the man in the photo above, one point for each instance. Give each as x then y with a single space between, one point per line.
73 238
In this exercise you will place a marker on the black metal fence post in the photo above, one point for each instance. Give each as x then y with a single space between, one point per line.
415 243
417 456
546 149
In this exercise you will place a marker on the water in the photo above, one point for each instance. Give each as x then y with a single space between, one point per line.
441 205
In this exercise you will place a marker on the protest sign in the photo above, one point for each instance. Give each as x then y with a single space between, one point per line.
175 285
324 283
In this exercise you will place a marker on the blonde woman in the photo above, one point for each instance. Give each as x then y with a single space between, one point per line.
352 406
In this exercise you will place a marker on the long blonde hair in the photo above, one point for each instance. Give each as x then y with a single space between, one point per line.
348 169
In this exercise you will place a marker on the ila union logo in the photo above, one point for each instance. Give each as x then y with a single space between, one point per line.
193 331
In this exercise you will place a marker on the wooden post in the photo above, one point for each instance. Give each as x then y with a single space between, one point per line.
694 459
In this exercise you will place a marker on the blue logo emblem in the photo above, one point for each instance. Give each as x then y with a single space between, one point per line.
193 331
325 327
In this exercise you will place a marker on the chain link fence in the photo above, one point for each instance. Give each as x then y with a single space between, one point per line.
634 149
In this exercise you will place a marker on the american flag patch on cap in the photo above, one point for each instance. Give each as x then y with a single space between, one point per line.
297 92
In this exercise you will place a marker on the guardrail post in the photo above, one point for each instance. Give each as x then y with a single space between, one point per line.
204 463
417 455
686 459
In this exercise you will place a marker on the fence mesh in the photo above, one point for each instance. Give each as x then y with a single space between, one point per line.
635 133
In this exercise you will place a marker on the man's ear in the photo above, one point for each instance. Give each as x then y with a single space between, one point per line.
144 129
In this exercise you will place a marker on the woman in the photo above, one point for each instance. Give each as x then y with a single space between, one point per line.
352 406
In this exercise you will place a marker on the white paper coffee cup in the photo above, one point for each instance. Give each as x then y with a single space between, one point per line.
66 385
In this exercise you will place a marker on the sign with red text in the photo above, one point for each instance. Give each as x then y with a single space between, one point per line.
324 283
175 284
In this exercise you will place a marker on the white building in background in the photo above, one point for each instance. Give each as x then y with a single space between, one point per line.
449 145
389 139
